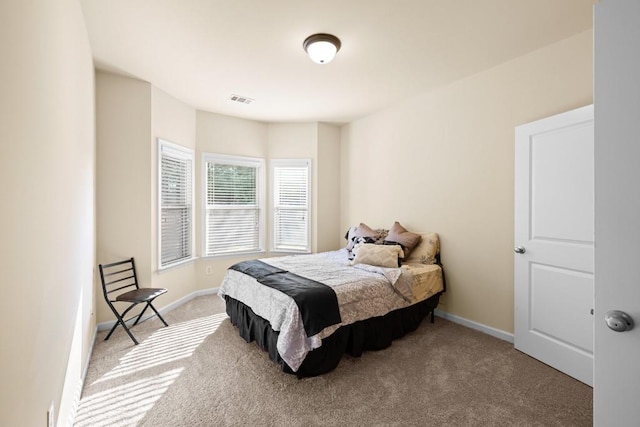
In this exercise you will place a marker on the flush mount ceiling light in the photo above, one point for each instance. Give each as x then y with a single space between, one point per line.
322 48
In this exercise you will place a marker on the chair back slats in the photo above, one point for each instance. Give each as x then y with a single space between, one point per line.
119 280
118 276
113 264
113 273
109 291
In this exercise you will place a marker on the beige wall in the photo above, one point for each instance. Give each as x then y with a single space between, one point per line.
296 141
327 190
173 121
444 161
124 177
47 172
219 134
131 116
319 142
292 140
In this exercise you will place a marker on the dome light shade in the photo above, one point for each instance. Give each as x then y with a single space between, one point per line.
321 48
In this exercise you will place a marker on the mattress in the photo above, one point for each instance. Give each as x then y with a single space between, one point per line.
363 291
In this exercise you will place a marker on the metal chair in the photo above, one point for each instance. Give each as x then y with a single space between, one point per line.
121 277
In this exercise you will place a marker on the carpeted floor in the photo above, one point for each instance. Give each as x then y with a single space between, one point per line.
199 372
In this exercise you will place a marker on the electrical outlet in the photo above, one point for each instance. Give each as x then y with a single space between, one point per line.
209 270
51 416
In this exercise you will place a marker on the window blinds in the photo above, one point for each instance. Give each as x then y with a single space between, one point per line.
176 204
291 222
234 209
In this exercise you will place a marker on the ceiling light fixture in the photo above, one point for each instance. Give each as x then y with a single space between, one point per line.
322 48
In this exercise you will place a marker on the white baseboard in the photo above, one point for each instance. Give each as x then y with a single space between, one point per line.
83 375
498 333
108 325
86 363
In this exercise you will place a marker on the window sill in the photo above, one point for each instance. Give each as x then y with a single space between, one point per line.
176 265
235 255
285 253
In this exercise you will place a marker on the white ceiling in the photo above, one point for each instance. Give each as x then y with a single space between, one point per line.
203 51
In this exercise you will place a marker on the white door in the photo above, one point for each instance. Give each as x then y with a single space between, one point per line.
554 234
617 207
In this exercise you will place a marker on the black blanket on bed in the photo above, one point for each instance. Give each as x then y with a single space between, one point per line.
316 301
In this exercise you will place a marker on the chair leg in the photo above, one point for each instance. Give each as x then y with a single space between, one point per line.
115 325
140 315
152 308
120 319
157 314
121 322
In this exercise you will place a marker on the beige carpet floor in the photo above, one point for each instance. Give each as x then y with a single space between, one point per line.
199 372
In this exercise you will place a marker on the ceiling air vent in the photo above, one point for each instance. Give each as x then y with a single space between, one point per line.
241 99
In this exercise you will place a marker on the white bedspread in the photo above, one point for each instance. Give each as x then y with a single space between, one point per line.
363 291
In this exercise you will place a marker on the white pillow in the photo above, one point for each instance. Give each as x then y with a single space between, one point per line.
380 255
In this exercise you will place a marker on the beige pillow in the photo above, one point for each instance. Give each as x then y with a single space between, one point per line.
363 230
407 239
426 251
380 255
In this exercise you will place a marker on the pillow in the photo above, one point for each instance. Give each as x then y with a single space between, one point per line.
363 230
356 241
426 251
408 240
380 255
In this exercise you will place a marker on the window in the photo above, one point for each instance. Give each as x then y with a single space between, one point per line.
175 201
290 219
234 205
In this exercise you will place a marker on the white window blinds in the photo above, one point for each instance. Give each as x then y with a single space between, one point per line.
175 203
234 205
290 205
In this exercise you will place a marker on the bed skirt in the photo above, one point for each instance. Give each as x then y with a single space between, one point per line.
375 333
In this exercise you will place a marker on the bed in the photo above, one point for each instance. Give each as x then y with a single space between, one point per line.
307 311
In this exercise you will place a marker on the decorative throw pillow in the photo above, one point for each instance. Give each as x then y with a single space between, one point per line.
407 239
363 230
426 251
358 240
380 255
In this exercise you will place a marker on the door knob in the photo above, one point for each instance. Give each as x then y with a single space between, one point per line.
618 321
519 250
